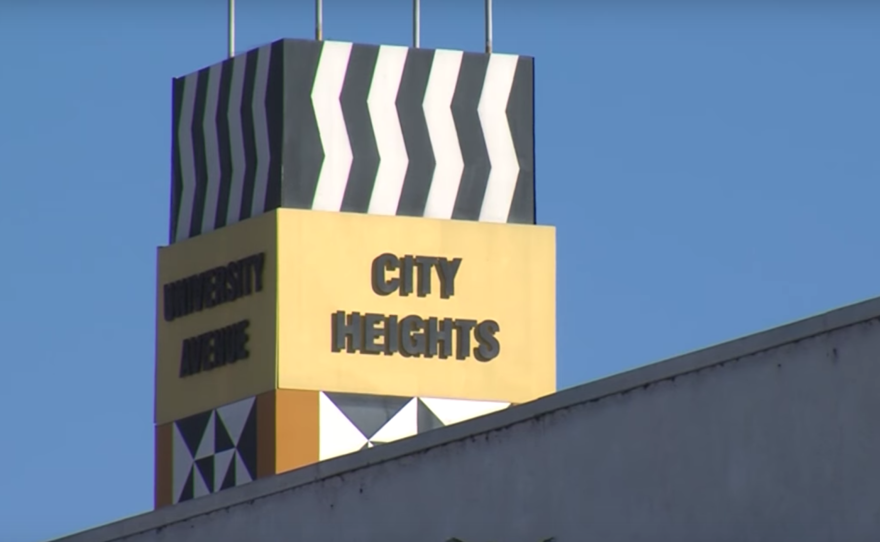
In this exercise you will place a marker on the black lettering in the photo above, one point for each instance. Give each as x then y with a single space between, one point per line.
198 359
259 263
371 333
185 297
174 299
185 368
205 290
191 355
213 287
233 281
168 302
214 349
220 285
179 293
392 335
406 276
439 331
348 335
463 337
447 270
247 275
412 338
383 263
240 341
229 336
425 265
489 347
206 350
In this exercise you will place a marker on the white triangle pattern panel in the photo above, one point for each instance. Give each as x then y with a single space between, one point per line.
338 435
403 424
450 411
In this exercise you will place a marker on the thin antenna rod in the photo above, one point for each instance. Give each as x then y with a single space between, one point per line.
319 20
416 24
488 26
231 29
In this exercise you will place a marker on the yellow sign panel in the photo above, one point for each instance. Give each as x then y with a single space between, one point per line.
415 307
346 302
215 319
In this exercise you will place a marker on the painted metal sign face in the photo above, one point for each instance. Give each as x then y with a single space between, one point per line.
415 306
353 303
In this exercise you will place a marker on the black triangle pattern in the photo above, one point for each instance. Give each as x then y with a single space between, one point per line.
229 479
188 490
426 419
247 444
222 440
368 412
205 467
192 429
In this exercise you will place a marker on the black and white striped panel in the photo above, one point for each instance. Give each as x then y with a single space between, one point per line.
226 142
337 126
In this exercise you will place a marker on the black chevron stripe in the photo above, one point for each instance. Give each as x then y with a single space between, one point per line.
365 152
303 151
420 170
176 174
465 101
521 118
249 137
275 124
201 163
221 117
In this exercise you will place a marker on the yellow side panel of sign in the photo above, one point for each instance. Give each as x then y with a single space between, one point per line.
507 274
178 397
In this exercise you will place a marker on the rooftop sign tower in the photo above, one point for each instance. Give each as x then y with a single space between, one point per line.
353 256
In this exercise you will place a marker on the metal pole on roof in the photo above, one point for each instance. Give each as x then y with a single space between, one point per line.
319 20
488 26
231 29
416 25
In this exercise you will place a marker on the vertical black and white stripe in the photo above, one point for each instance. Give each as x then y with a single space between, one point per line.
336 126
227 142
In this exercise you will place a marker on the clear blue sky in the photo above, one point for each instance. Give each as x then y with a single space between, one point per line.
712 171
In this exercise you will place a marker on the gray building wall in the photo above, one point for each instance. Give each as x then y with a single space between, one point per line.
768 438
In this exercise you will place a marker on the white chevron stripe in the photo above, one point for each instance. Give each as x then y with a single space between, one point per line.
499 142
236 139
386 128
331 125
212 149
261 132
444 138
187 160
